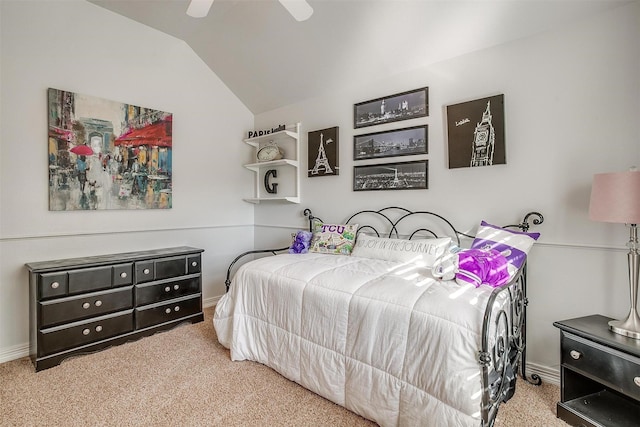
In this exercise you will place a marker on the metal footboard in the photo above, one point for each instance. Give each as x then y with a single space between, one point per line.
504 340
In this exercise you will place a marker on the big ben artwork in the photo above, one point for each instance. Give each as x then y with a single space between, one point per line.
476 133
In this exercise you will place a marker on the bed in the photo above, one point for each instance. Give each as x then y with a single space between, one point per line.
384 335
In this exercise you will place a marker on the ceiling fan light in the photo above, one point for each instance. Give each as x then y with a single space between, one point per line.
199 8
299 9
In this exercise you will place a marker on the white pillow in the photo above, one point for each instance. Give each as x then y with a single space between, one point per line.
514 245
422 252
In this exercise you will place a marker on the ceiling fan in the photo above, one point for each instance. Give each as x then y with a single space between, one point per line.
299 9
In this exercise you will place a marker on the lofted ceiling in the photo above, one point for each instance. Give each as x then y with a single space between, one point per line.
269 60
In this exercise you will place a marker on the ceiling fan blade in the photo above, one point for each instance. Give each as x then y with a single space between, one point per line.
299 9
199 8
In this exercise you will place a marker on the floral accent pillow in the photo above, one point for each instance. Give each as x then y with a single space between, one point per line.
335 239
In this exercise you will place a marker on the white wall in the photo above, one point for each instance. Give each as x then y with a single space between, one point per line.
572 98
80 47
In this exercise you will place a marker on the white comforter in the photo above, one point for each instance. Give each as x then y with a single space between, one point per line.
382 339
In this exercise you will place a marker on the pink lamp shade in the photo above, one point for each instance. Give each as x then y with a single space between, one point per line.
615 197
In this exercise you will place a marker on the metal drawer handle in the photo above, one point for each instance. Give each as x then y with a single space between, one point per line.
176 287
636 380
146 271
98 328
55 285
98 303
177 308
123 275
85 331
193 264
168 310
575 354
86 305
167 289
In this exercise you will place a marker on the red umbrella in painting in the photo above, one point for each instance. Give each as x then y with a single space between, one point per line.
82 150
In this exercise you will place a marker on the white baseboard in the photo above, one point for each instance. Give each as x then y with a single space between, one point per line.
13 353
210 302
546 373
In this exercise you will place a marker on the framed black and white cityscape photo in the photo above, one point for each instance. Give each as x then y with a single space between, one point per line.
401 106
391 176
397 142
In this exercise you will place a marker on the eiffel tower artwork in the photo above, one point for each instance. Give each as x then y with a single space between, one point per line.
321 160
324 145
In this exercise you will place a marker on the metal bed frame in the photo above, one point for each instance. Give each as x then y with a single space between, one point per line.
503 352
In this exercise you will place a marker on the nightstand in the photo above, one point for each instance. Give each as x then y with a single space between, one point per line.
599 374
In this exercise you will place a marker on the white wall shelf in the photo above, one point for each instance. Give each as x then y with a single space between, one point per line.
287 168
271 164
273 199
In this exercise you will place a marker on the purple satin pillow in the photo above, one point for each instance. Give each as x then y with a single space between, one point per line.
482 267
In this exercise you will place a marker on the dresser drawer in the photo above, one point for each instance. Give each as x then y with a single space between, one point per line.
156 292
52 284
171 267
193 264
79 307
122 275
617 370
89 279
163 268
145 271
167 311
59 338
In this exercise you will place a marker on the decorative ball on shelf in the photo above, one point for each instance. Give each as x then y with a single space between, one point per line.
270 152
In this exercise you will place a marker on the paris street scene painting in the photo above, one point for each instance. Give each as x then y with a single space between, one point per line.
107 155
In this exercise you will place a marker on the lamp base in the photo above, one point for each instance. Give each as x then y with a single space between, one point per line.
629 327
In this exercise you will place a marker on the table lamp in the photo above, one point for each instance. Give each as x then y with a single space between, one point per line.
615 197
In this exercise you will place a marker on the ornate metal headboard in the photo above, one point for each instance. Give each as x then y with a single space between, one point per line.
397 222
391 221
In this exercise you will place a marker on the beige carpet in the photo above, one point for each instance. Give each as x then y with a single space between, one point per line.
184 377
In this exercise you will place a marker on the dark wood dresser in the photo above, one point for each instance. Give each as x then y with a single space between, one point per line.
81 305
599 374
